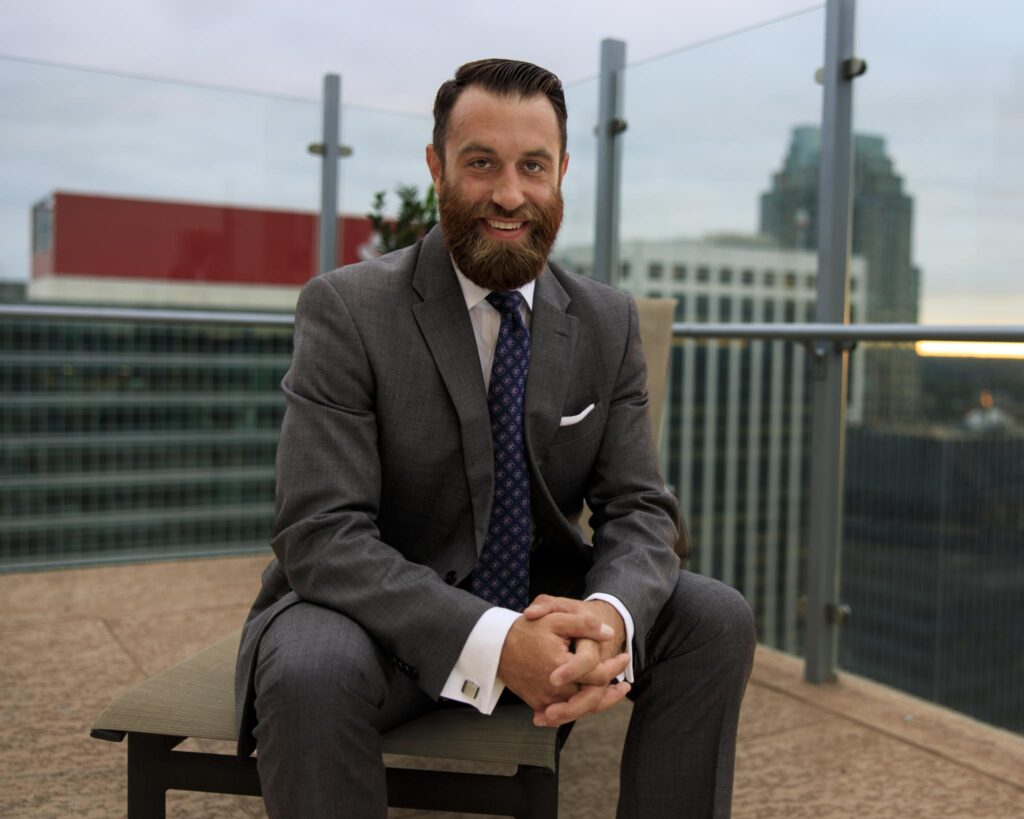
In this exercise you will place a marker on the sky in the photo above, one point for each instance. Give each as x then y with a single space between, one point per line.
712 94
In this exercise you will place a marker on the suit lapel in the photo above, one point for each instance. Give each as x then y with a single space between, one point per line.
445 324
552 349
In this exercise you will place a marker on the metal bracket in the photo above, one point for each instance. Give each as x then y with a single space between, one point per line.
818 351
616 126
317 149
835 613
852 68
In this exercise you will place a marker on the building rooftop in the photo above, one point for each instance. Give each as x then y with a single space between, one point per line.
70 640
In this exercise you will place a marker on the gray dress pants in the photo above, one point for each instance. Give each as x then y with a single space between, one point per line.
325 693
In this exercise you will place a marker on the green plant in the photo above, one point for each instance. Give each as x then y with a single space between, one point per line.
415 217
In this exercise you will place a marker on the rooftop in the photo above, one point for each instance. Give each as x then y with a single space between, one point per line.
70 640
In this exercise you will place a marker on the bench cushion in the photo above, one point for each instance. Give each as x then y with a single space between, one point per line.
196 698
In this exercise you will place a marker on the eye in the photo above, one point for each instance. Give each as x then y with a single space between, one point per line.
533 166
480 163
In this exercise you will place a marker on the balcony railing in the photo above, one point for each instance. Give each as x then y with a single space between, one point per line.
141 434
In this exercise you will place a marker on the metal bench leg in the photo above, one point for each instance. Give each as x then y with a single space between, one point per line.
146 791
541 787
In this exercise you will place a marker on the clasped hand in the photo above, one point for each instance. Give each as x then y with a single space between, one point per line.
560 657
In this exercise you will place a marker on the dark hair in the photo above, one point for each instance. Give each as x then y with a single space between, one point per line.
510 78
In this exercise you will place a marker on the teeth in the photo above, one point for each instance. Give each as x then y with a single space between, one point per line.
494 223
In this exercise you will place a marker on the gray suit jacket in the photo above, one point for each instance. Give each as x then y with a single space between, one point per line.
385 466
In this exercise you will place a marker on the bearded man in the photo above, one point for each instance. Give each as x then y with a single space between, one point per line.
450 407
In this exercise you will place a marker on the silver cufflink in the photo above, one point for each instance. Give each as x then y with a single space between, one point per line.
470 689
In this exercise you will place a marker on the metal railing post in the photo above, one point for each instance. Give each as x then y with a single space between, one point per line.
828 421
610 125
328 238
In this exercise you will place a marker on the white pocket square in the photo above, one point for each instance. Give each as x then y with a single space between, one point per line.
569 420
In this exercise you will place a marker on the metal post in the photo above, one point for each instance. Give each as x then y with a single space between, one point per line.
610 124
329 174
828 423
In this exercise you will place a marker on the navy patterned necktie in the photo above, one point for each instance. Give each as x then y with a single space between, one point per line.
502 575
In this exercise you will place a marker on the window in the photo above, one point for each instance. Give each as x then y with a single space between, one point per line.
679 272
769 278
655 270
624 270
725 275
703 274
748 277
789 282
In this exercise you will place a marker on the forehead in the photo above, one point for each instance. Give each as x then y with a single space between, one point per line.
501 122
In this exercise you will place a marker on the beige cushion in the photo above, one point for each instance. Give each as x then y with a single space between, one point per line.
195 698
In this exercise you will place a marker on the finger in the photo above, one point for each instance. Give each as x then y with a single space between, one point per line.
578 705
577 626
605 671
586 659
613 695
544 604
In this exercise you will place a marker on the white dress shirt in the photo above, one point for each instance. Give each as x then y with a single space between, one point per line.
474 679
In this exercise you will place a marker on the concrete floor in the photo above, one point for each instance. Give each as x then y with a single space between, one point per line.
70 640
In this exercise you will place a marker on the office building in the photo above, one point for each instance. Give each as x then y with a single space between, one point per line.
736 438
882 235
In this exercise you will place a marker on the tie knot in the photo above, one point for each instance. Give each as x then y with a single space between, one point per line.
505 303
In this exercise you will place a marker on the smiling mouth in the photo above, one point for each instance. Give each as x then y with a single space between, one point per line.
501 224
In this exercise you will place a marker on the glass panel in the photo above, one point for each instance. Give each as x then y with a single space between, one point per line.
389 151
136 440
152 187
736 451
933 555
940 152
579 188
707 129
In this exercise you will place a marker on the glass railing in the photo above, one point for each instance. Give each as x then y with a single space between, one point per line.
579 188
136 439
939 161
933 537
138 192
707 127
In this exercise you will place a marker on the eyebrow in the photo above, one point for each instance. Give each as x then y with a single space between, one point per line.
480 148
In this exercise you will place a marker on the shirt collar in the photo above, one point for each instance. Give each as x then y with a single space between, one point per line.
474 293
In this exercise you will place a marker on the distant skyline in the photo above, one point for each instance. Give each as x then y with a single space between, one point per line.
707 125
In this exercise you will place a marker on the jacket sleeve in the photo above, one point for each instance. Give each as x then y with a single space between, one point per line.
634 516
325 534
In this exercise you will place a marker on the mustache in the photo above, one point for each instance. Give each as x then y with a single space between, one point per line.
524 213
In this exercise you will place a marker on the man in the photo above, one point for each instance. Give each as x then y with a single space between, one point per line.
450 407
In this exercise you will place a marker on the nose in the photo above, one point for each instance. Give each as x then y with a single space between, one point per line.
508 193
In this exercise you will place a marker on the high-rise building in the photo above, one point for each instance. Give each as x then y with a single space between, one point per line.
883 215
735 445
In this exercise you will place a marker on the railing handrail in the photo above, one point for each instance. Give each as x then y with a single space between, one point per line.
852 332
754 331
48 312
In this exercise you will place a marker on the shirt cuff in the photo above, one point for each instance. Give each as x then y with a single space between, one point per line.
627 620
474 679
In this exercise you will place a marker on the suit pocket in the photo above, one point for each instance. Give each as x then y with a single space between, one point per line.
572 420
579 425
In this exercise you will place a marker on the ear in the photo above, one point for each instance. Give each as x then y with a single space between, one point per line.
434 163
565 166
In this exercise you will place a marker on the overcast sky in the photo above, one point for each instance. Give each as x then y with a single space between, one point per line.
709 123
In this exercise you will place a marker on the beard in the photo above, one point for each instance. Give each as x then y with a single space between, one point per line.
491 263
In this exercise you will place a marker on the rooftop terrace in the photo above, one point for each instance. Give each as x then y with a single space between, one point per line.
72 639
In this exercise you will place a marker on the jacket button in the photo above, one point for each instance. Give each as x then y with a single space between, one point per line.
450 578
